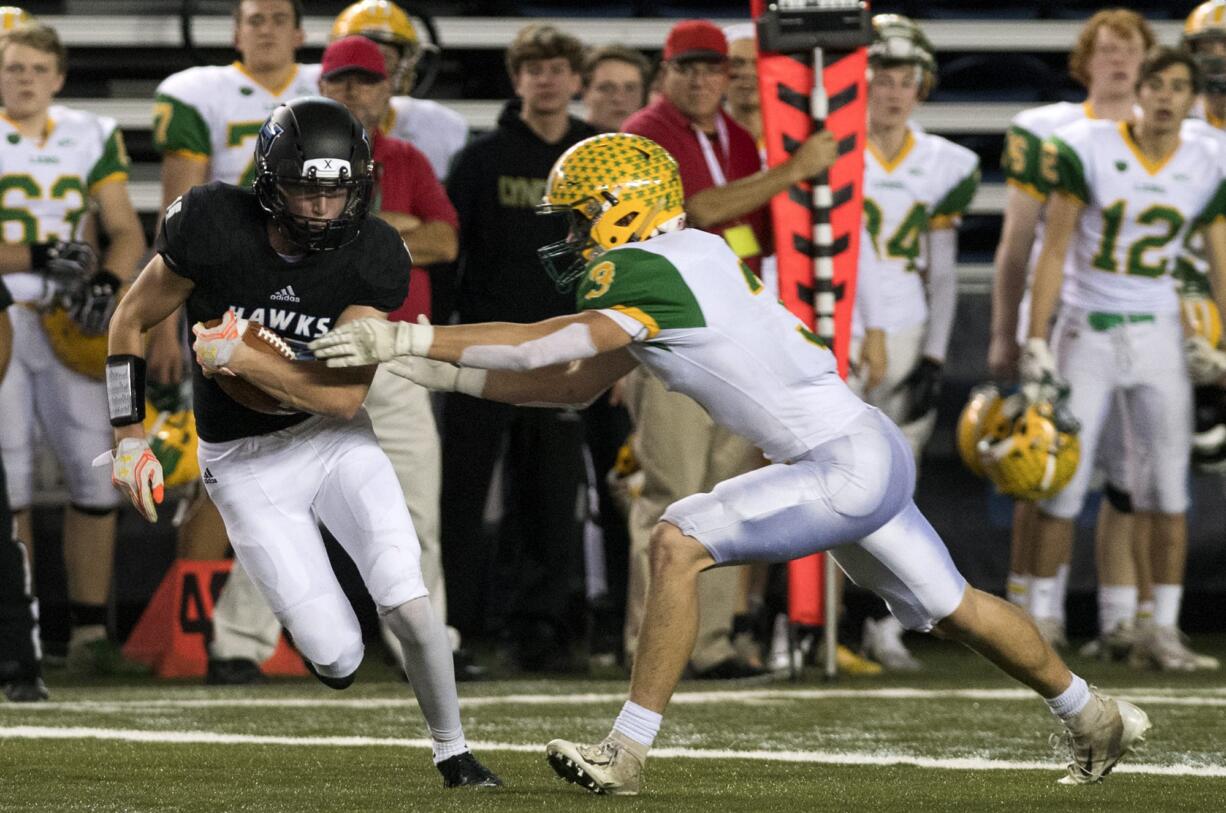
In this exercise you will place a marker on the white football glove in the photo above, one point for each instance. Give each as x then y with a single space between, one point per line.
1037 365
214 346
1206 364
371 340
136 472
439 376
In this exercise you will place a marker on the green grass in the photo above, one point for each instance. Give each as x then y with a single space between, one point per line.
519 716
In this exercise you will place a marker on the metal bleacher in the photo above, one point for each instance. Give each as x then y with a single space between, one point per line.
118 58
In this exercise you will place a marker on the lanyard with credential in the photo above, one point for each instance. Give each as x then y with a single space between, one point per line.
708 152
740 238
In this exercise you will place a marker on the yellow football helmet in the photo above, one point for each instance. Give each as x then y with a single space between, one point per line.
172 437
12 16
1026 453
1206 20
388 24
1201 316
81 352
980 410
616 188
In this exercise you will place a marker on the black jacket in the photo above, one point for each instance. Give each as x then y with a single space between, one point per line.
495 182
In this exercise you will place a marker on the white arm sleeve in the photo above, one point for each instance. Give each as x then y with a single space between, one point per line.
942 291
571 343
869 301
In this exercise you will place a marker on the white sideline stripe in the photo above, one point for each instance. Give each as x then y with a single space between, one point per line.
1174 697
818 757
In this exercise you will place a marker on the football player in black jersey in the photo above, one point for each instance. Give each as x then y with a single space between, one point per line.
298 255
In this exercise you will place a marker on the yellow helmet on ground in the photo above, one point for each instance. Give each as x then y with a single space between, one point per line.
616 188
172 437
1026 452
1201 316
81 352
12 16
982 407
385 23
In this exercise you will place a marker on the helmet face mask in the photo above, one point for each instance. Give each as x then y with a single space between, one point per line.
309 154
615 188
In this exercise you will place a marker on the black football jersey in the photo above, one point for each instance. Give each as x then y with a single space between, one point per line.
216 236
6 298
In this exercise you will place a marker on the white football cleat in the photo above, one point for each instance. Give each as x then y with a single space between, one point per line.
1166 649
613 766
883 643
1100 735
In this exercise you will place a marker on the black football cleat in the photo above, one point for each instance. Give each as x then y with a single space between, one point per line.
233 672
464 771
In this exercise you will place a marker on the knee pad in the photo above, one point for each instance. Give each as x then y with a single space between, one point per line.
94 510
1119 499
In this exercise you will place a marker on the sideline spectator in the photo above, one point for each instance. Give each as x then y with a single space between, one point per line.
496 183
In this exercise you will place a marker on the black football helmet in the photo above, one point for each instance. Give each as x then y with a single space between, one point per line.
313 145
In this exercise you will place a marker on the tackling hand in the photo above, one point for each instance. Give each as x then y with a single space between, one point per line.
371 341
215 346
136 472
439 376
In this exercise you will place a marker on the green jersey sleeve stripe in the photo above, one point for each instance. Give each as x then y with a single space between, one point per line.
179 127
1070 174
113 161
959 198
635 280
1215 208
1020 160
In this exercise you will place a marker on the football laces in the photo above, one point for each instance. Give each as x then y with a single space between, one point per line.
280 345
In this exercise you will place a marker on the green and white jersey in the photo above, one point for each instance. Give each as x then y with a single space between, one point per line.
46 186
1023 155
707 327
214 114
927 186
1138 212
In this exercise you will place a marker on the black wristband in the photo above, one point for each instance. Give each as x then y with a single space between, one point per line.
125 389
40 253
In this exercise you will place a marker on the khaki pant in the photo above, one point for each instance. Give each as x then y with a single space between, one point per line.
682 452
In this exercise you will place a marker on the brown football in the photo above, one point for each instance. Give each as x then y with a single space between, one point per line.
240 389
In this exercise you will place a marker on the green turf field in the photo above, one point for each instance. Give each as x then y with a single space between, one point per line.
959 737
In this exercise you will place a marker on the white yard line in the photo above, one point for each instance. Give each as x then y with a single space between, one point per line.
1150 696
817 757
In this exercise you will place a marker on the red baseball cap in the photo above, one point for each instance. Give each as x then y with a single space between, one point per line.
696 40
356 53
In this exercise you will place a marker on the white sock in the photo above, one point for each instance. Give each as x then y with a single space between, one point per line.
1167 600
1017 589
1117 604
446 749
639 724
1061 591
1069 703
1044 597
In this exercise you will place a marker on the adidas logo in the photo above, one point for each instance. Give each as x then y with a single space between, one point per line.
286 294
209 478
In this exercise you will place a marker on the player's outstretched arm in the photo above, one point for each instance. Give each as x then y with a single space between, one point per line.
310 386
1009 279
574 384
155 294
488 345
